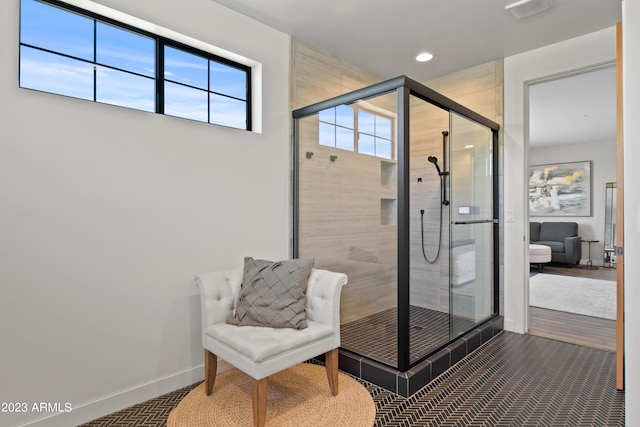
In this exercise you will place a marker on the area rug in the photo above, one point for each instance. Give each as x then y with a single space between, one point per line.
589 297
298 396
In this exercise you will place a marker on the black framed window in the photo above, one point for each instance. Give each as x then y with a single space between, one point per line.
68 51
337 127
357 129
198 88
374 134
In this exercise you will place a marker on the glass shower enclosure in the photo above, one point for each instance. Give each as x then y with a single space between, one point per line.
396 186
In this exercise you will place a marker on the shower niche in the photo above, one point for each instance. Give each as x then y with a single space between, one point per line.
401 195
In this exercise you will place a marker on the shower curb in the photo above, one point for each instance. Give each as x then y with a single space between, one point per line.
407 383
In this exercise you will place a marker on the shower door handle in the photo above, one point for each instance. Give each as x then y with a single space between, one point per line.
478 221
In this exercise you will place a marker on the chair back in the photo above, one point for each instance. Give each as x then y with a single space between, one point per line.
218 293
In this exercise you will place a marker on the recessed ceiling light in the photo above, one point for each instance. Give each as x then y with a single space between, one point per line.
424 57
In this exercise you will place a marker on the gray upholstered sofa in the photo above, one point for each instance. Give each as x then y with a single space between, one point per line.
561 237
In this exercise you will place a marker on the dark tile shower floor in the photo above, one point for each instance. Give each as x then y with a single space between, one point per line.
512 381
376 336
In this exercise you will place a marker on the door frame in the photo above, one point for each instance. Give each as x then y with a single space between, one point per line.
620 214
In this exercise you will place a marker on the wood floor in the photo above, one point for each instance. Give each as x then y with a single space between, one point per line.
574 328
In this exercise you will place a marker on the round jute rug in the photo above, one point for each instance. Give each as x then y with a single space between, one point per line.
298 396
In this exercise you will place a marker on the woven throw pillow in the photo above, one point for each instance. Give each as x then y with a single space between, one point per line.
273 294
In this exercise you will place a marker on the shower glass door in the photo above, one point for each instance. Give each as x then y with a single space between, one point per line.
471 230
429 229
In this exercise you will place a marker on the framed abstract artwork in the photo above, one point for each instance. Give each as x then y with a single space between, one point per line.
560 189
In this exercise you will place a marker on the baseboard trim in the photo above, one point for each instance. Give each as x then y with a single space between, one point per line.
107 405
509 325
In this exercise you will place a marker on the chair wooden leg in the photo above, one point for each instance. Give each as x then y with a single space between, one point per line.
210 368
259 401
331 363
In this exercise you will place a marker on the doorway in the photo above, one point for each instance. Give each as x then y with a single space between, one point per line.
572 117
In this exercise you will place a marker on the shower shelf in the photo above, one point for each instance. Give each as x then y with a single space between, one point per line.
388 192
388 174
388 212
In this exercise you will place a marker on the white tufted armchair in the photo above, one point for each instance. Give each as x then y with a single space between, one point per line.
262 351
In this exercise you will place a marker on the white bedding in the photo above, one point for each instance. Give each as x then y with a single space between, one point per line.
463 264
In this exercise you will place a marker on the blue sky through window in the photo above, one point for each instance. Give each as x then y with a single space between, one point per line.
338 128
344 116
54 73
125 89
327 134
185 102
383 127
55 29
184 67
366 122
125 50
366 144
57 55
228 111
228 80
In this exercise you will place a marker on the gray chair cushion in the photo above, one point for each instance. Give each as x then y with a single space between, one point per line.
273 294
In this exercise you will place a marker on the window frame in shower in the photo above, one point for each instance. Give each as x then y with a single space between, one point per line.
355 129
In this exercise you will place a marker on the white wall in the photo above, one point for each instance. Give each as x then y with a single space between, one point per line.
570 55
108 213
603 169
631 84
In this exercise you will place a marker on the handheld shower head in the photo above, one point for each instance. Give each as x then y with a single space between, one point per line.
434 160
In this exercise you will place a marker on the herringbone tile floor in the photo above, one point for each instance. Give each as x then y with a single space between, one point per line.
513 381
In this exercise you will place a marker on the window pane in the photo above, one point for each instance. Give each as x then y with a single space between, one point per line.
54 29
228 80
327 135
383 148
366 144
187 68
228 112
344 116
69 53
182 101
54 73
383 127
344 138
125 89
366 122
125 50
328 115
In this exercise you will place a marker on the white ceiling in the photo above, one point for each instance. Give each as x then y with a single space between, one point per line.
576 109
384 36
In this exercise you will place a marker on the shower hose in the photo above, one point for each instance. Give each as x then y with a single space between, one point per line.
433 261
